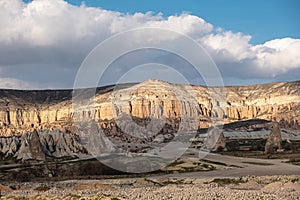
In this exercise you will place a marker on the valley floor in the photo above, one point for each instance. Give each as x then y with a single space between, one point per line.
248 187
233 178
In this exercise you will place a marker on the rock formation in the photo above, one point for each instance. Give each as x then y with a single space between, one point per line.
97 143
42 124
39 144
215 140
20 111
35 146
274 140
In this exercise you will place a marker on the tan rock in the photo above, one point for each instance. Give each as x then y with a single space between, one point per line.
273 187
274 140
20 111
4 188
93 187
292 186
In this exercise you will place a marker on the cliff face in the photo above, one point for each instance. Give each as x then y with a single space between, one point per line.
21 111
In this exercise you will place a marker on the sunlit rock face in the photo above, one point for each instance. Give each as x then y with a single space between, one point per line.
22 111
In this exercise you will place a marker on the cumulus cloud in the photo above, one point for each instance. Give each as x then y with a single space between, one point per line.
46 40
228 45
272 58
279 55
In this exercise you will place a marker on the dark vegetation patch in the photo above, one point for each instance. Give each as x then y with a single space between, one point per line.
291 146
246 144
238 124
42 188
219 163
214 162
258 163
245 123
294 161
228 181
33 171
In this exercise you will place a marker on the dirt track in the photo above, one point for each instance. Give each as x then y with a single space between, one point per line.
248 166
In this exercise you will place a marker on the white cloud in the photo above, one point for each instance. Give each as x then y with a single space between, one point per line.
279 55
234 46
53 37
12 83
185 24
52 22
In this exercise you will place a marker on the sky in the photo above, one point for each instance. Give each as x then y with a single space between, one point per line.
263 20
44 42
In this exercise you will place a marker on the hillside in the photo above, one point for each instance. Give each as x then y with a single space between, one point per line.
20 111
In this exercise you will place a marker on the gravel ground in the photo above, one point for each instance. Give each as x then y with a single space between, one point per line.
250 187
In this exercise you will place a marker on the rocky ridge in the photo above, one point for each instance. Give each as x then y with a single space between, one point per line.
21 111
38 145
40 124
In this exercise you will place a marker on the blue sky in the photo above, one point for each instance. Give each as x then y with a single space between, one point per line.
44 42
262 19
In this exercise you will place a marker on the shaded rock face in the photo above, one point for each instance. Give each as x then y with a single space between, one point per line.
20 111
274 140
97 142
215 140
35 147
38 145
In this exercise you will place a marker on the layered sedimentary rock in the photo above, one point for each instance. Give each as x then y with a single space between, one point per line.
194 106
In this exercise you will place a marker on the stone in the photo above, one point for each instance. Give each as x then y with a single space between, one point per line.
35 147
153 108
215 140
274 139
272 187
4 188
159 139
39 144
97 142
20 111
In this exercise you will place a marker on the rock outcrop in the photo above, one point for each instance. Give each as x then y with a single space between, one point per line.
150 112
35 147
97 143
22 111
274 140
38 145
215 140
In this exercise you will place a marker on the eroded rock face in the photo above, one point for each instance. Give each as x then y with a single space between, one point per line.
21 111
274 140
37 145
97 142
